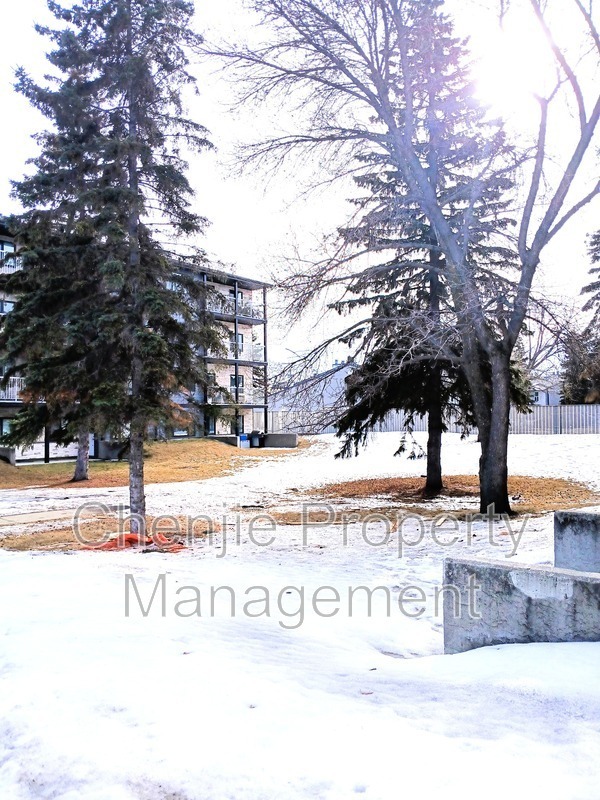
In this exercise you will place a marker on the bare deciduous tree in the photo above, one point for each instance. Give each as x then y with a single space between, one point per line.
352 69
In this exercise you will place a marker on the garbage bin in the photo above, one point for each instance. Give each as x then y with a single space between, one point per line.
255 439
244 440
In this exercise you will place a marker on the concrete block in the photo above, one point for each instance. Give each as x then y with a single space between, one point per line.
507 603
228 439
9 455
109 451
577 540
281 440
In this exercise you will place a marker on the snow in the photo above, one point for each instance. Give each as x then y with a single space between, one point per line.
551 456
99 706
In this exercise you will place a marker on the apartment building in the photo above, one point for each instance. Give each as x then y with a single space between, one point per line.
11 396
234 399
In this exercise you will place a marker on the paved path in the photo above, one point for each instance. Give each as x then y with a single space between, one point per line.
41 516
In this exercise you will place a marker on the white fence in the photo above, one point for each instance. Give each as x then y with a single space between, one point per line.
11 265
542 420
13 391
36 452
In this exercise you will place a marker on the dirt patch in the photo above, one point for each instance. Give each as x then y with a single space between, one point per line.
348 515
166 462
529 495
396 498
96 531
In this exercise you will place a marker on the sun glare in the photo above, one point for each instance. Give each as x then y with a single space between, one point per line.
514 65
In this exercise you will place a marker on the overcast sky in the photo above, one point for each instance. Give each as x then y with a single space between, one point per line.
255 223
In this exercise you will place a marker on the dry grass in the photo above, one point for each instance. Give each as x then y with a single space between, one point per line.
345 516
93 532
173 461
530 495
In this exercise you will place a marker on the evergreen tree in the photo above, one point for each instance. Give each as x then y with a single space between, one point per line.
109 322
580 382
593 288
581 367
397 376
413 310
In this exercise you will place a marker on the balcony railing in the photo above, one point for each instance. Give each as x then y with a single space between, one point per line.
13 391
247 352
249 396
240 352
226 305
245 397
215 397
9 265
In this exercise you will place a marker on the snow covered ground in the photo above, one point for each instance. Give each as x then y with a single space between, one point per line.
97 705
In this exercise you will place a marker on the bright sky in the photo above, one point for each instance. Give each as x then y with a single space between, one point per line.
256 222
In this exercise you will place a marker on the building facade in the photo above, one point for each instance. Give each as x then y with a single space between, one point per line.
548 396
234 396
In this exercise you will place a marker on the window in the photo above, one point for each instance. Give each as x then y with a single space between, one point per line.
211 378
240 381
536 397
240 342
5 425
6 306
240 295
237 426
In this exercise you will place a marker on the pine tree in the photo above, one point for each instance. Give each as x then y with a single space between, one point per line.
397 376
593 288
581 367
415 325
580 381
109 321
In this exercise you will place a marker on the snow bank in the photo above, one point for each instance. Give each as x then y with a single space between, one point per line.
99 706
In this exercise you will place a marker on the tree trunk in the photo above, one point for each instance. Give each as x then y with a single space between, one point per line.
137 497
493 464
83 456
492 422
435 424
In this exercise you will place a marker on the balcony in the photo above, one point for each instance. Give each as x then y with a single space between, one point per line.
217 398
9 265
240 352
14 390
246 397
226 306
246 352
251 396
